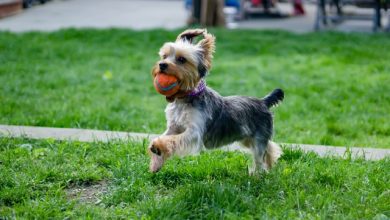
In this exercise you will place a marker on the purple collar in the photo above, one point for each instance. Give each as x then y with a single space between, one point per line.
199 89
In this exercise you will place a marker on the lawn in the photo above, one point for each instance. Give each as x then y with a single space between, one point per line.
46 179
337 85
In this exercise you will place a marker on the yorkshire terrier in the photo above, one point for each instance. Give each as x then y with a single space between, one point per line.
198 117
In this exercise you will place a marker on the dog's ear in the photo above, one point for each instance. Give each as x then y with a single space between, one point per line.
208 47
190 34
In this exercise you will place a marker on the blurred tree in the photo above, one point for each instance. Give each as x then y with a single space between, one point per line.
208 13
212 13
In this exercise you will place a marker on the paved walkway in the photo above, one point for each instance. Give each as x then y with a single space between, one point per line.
88 135
134 14
141 14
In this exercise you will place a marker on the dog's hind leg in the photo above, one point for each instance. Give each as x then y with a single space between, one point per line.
265 154
259 152
272 154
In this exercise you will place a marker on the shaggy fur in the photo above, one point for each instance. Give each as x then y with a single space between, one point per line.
208 120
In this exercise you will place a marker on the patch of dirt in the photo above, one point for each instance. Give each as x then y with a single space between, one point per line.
90 194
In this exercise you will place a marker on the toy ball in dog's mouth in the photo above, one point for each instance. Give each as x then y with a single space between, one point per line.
165 84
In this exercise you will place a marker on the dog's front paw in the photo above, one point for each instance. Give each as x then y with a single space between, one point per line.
156 158
159 150
154 148
162 146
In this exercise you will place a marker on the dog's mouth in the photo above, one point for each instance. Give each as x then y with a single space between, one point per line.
180 94
170 98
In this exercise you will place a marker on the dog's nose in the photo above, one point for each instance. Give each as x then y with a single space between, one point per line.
163 66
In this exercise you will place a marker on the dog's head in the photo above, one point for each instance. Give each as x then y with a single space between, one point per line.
186 59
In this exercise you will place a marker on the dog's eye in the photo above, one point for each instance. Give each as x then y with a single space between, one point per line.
164 56
181 59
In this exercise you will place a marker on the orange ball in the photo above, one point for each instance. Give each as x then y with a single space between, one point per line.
167 85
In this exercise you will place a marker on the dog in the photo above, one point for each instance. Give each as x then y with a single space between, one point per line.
198 117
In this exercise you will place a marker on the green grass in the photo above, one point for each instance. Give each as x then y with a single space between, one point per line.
337 85
35 176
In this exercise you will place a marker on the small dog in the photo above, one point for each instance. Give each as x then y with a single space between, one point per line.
198 117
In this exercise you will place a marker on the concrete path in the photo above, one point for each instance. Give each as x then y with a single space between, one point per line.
88 135
142 14
134 14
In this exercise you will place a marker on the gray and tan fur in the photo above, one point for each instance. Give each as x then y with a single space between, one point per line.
209 120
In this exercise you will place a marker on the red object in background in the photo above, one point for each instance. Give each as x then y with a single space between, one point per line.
298 7
256 2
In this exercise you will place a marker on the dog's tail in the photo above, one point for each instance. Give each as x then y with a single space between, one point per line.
274 98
